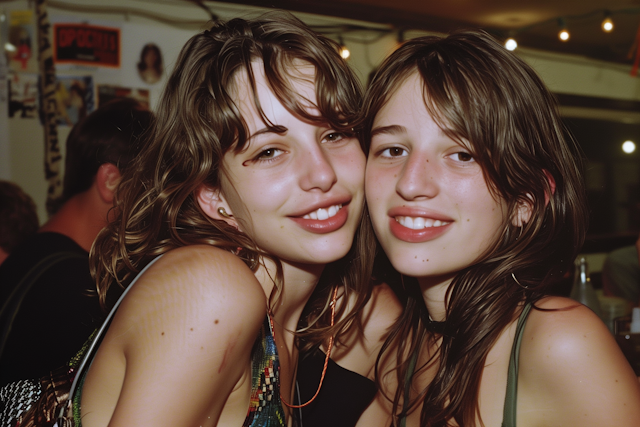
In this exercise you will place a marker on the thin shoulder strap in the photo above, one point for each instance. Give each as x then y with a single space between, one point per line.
12 305
407 387
511 397
98 336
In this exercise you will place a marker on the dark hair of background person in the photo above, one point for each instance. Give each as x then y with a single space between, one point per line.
103 137
197 122
18 216
493 103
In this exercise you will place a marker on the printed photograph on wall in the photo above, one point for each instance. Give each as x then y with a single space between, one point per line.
150 66
108 92
20 47
23 96
75 98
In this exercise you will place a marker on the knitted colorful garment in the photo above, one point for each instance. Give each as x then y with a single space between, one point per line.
265 409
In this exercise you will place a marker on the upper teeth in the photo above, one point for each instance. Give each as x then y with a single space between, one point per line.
418 223
323 213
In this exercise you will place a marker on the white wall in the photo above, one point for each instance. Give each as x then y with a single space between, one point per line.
170 24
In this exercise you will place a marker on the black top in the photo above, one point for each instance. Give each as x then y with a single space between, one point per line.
57 315
342 399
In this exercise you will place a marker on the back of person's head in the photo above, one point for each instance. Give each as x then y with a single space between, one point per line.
18 216
198 120
111 134
495 105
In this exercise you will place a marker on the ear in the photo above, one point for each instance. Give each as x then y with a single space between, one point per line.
552 186
525 207
210 200
523 211
107 179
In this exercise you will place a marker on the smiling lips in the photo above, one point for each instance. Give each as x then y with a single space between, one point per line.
324 220
416 229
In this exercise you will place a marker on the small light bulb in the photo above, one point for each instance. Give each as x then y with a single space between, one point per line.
563 35
511 44
628 147
344 52
607 25
9 47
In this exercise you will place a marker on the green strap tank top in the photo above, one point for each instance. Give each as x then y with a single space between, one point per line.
511 397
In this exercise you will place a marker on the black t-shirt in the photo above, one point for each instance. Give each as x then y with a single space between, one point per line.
57 315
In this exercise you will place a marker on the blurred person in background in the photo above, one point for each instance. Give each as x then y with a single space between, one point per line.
18 217
61 309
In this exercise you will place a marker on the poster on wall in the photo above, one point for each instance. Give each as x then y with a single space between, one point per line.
84 44
150 66
75 98
108 92
23 96
20 48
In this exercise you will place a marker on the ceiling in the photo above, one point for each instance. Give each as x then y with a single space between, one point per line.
533 23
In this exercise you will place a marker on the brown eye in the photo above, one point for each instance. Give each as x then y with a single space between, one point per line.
462 156
393 152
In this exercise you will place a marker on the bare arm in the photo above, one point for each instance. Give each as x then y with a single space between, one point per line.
572 372
179 344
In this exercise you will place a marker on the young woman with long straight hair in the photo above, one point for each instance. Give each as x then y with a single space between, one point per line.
476 196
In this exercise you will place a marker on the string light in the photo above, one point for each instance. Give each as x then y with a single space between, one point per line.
563 35
511 44
628 147
344 51
607 23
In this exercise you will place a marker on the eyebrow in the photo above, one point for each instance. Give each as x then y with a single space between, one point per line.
388 130
269 129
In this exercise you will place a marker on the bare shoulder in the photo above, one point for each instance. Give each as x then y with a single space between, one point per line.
563 327
188 324
195 284
381 312
357 349
571 365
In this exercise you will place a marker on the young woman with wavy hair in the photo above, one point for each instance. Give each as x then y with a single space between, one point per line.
250 184
476 196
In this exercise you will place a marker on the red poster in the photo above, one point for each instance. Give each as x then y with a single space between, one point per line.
87 45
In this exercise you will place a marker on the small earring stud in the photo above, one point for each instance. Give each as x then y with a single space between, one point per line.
223 213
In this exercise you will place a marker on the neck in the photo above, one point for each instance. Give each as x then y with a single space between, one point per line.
300 281
434 290
81 218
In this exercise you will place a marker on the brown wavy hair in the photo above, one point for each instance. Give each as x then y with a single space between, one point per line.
197 122
487 98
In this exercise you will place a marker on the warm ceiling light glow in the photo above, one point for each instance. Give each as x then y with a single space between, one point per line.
344 52
563 35
607 25
628 147
511 44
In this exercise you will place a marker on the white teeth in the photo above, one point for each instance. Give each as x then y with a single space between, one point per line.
322 213
418 223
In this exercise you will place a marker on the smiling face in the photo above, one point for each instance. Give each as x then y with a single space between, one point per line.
297 188
428 200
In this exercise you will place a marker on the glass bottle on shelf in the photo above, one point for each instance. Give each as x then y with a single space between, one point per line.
582 290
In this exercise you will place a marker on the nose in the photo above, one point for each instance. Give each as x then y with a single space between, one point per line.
418 178
317 171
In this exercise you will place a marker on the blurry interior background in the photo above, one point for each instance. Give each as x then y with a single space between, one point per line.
593 72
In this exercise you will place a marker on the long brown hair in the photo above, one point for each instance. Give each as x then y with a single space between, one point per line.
197 122
482 94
